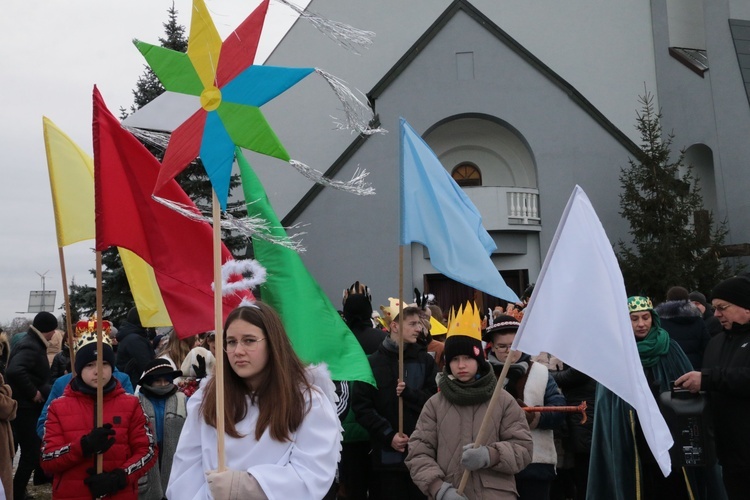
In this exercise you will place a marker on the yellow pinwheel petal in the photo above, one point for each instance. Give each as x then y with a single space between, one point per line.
204 44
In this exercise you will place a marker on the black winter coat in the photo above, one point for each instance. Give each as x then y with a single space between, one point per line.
134 351
726 379
578 387
685 325
368 337
60 364
28 370
376 409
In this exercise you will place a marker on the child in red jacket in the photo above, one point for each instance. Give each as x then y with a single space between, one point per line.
72 442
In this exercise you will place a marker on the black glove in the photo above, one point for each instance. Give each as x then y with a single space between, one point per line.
200 368
106 483
98 440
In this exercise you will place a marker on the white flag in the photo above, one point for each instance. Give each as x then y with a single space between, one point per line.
581 274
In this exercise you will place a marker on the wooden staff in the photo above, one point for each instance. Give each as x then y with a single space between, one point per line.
484 429
68 320
400 335
218 326
99 354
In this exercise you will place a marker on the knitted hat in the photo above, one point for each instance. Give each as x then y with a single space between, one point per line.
501 324
734 290
45 322
464 337
698 297
157 368
85 349
638 304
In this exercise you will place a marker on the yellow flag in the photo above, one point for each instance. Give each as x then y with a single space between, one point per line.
148 301
71 177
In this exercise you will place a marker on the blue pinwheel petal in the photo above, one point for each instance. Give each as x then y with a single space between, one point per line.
217 154
257 85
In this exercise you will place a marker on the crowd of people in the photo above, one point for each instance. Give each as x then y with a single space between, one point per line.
455 413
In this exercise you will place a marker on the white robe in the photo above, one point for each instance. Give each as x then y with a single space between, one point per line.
303 468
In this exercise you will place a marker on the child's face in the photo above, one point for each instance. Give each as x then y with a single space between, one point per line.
89 374
161 382
464 368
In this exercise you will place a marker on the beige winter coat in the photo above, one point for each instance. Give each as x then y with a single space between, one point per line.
436 445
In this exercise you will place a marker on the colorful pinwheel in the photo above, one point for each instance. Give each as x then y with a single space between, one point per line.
231 91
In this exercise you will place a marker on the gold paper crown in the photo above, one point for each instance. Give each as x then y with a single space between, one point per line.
466 322
88 338
391 311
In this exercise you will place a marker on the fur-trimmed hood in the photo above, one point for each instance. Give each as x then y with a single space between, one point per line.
676 309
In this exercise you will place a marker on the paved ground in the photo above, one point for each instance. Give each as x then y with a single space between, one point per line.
42 492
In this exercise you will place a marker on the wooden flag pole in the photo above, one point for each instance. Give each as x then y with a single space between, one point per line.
218 326
400 335
68 319
99 354
484 429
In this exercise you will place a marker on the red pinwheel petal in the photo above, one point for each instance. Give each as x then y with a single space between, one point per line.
238 50
184 146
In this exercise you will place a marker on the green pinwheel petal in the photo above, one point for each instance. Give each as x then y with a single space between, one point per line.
174 69
249 129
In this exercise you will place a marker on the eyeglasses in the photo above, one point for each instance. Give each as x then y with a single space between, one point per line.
502 347
722 307
248 344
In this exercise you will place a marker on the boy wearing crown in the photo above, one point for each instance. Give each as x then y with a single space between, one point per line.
442 445
70 444
377 409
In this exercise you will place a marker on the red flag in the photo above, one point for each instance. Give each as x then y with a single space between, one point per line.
179 249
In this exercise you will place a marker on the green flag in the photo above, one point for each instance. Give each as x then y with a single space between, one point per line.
316 330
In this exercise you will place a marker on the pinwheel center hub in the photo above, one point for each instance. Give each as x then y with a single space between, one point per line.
210 98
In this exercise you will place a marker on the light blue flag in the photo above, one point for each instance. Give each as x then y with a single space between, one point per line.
437 213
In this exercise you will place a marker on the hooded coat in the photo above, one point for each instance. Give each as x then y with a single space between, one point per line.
684 323
436 445
134 350
70 417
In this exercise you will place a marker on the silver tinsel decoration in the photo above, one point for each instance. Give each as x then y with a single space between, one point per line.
249 227
356 185
346 36
359 114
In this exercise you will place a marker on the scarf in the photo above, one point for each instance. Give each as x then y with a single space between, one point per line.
653 346
467 393
160 392
77 384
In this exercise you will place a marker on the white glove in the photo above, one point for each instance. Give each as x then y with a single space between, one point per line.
234 485
448 492
475 458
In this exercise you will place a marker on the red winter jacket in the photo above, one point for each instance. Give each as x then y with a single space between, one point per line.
70 417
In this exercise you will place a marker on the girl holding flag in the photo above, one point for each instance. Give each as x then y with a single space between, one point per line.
282 435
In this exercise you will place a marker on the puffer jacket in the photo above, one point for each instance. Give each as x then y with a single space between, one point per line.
28 370
684 323
71 417
436 445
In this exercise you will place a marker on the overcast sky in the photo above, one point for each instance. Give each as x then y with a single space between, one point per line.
53 53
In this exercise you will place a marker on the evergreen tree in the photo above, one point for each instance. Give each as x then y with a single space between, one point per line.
662 202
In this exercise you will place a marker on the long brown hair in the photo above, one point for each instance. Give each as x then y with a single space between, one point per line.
282 387
178 348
